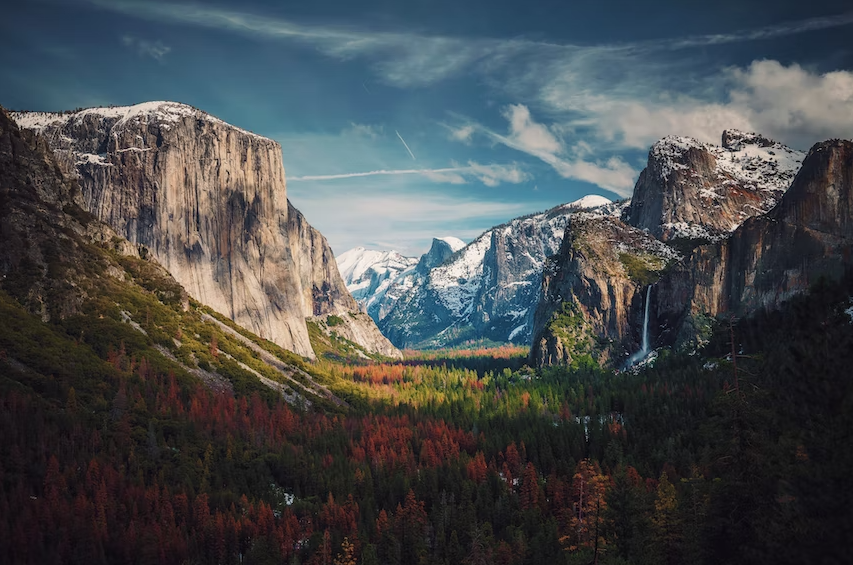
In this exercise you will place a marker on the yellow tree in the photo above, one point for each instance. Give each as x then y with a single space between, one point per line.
347 554
665 521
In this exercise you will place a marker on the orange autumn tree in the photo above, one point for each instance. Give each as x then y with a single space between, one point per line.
584 518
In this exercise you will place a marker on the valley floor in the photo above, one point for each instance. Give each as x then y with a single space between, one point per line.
111 452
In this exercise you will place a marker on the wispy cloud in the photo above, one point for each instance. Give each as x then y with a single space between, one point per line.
412 59
402 220
763 33
490 175
363 130
612 97
536 139
154 49
377 173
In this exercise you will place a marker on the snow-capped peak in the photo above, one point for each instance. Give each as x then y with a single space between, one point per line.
161 111
454 242
355 263
589 201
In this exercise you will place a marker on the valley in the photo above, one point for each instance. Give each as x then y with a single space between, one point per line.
187 375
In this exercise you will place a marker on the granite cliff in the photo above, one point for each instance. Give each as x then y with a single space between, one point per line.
808 235
593 291
699 191
751 238
208 201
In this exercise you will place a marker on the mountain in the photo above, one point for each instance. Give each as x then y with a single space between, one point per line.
377 279
770 258
95 296
593 290
753 243
692 190
488 289
441 250
208 200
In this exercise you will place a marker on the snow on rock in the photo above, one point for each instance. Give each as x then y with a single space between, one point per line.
454 242
590 201
163 112
699 190
375 277
490 287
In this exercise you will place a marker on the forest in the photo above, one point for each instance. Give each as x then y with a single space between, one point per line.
737 453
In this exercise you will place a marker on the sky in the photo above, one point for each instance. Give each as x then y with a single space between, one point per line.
404 121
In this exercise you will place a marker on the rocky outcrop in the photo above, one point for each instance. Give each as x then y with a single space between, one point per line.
440 251
209 201
808 235
593 292
692 190
487 290
45 235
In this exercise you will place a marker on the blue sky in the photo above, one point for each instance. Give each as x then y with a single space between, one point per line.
400 121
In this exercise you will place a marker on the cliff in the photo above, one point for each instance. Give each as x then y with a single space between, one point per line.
208 201
46 262
808 235
593 292
488 289
693 190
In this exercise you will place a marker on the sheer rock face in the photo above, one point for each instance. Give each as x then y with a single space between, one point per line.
209 201
593 292
767 258
440 251
771 257
693 190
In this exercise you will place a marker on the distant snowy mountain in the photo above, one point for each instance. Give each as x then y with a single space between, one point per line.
377 279
488 289
370 274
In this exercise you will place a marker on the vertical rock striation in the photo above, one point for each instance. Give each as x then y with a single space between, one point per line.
808 235
209 201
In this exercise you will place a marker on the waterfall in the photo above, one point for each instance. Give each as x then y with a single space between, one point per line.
644 345
645 348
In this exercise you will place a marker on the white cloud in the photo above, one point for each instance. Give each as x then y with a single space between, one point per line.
363 130
154 49
528 135
462 133
788 103
493 175
793 103
536 139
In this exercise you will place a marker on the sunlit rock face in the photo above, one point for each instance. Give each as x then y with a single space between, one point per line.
209 201
693 190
